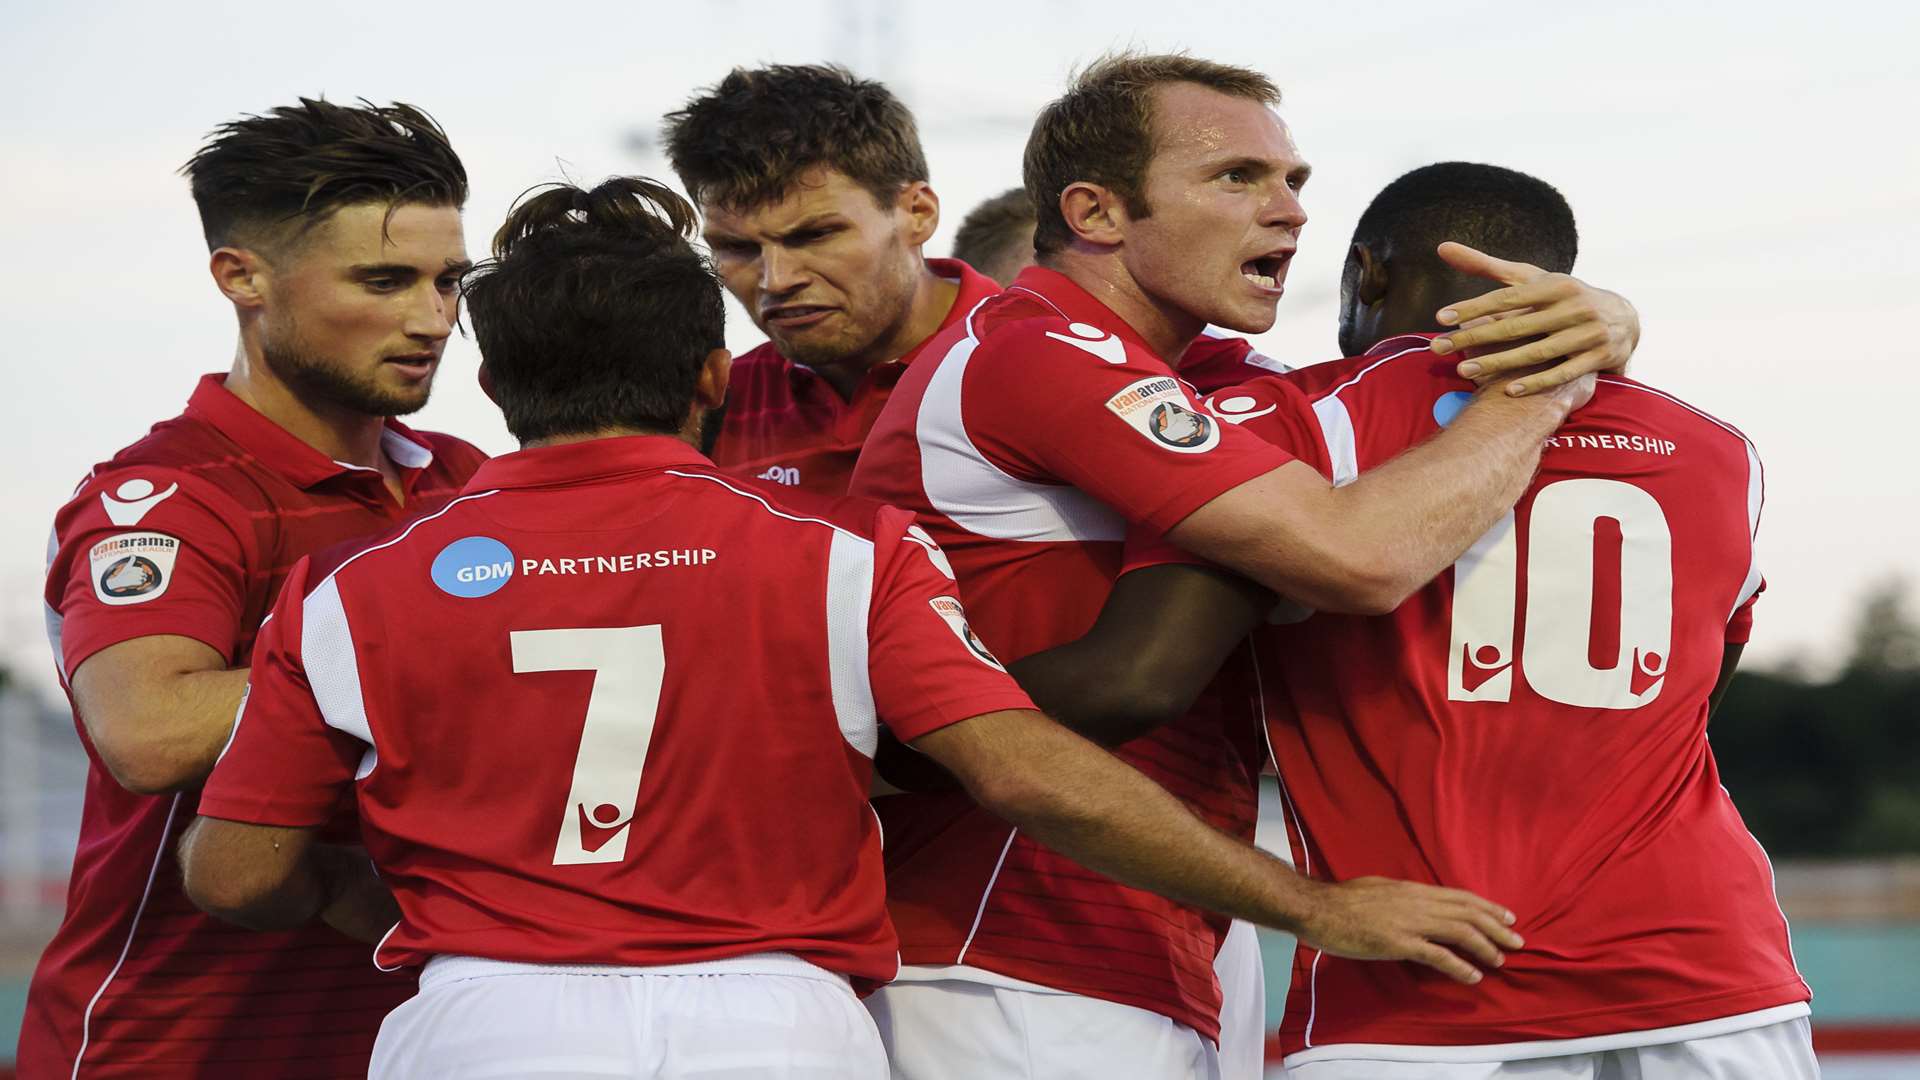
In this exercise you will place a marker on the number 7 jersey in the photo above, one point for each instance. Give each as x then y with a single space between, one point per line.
1532 727
612 706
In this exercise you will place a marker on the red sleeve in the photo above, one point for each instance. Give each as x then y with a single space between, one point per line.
1740 626
1271 408
1104 417
927 667
284 764
146 550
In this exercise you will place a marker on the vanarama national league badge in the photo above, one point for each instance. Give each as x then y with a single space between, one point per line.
1158 408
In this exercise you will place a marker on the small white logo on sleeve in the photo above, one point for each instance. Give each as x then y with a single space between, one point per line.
131 501
1089 338
948 608
918 535
1237 408
132 568
1157 408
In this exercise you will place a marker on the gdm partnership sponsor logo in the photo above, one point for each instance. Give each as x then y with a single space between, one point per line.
472 566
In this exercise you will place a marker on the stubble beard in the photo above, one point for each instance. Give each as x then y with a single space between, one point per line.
314 378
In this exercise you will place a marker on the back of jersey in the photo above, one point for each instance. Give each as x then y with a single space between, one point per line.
1532 727
619 708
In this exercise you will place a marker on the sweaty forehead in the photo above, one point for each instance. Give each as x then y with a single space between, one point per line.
1193 123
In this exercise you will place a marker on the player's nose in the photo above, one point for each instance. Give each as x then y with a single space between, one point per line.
781 272
432 315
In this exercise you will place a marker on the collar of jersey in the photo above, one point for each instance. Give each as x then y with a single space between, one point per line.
281 450
1077 305
573 463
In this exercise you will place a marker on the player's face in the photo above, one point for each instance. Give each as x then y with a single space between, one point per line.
359 311
1223 191
827 273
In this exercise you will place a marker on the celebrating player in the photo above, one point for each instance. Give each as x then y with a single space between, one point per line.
335 234
816 200
627 837
996 237
1532 724
1026 439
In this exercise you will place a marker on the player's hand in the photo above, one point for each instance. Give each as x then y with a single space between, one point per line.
1553 316
1376 918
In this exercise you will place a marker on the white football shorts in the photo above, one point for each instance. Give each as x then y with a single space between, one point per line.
955 1029
770 1016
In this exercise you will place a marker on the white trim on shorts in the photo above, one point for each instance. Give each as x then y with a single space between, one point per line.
967 973
448 969
1545 1048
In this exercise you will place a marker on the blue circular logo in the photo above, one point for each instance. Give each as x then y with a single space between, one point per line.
473 566
1448 405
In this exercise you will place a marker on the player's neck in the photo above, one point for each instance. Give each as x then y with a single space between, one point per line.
344 435
933 297
1166 329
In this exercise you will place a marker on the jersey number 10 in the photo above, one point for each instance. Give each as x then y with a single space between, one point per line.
1599 601
628 664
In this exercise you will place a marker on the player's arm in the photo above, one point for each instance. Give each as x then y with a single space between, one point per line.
1088 805
146 658
158 709
252 856
1162 635
949 699
1544 317
269 877
1366 546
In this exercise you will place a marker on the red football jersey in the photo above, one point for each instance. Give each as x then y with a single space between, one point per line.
1025 439
612 706
190 531
1216 361
1532 727
784 423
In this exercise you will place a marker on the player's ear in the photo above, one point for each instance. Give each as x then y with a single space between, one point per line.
486 383
919 207
1373 275
710 389
1095 213
240 274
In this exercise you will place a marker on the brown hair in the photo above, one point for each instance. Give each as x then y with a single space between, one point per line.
989 232
744 142
1101 130
298 163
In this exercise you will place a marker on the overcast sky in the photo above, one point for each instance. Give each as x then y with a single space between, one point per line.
1745 173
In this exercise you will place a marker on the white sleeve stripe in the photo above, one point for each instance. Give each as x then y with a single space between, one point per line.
1362 373
1342 450
333 670
1756 498
849 603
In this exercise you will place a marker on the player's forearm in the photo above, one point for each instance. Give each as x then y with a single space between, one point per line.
360 905
1102 813
165 734
1090 690
1415 515
229 873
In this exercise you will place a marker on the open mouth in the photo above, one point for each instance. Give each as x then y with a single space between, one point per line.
1266 270
795 316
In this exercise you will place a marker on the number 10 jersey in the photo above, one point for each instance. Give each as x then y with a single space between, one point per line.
1532 727
612 706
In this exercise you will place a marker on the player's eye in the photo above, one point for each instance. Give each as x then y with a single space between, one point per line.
381 284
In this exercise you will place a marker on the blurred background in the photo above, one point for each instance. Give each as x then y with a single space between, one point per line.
1736 170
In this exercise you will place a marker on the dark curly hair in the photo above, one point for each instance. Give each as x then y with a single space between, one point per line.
262 181
595 311
744 142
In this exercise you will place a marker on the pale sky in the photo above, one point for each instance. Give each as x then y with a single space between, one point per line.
1738 170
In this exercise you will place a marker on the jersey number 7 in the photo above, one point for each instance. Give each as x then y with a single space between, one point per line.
628 665
1599 600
